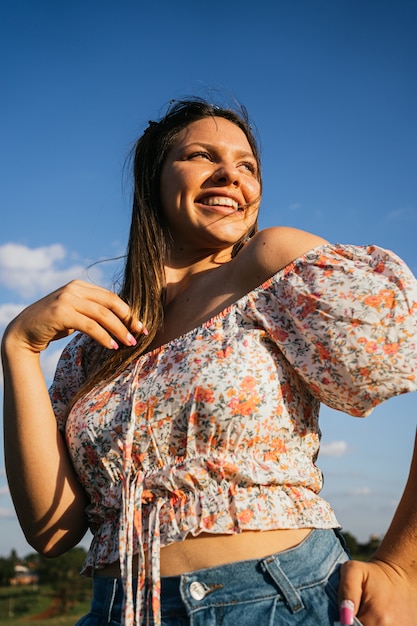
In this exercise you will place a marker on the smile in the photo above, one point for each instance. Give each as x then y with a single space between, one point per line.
220 201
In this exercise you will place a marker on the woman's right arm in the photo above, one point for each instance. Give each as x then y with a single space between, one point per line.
49 500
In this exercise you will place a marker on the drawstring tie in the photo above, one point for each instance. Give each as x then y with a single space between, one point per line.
132 530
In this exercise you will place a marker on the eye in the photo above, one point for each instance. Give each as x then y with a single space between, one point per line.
250 167
200 154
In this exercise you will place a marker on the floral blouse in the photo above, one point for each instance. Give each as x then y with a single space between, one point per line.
217 431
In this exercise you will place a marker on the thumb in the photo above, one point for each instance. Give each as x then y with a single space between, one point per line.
350 591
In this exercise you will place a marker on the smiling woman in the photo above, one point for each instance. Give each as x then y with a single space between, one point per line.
182 425
210 187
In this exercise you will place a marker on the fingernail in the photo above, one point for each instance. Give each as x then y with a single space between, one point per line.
143 329
131 339
347 613
114 345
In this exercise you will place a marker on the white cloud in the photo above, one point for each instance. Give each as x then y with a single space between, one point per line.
8 312
334 448
4 490
33 271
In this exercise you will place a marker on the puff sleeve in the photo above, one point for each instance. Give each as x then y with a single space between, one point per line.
345 318
70 374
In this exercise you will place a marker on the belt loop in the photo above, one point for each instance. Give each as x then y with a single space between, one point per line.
271 565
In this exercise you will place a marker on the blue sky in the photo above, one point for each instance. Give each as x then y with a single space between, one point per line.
331 86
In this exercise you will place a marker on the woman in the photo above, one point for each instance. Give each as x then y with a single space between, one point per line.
183 421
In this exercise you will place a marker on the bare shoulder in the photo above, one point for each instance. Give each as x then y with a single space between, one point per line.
272 249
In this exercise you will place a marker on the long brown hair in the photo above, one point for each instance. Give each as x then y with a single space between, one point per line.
143 283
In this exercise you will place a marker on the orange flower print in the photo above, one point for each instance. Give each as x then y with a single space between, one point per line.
91 455
248 383
247 400
371 346
281 335
140 408
323 352
380 267
384 297
202 394
194 418
245 516
243 405
210 520
391 348
278 445
307 305
101 401
389 298
374 301
223 354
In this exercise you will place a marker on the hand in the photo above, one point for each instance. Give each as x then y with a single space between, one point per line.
382 593
76 306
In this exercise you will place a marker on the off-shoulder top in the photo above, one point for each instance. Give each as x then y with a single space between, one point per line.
217 430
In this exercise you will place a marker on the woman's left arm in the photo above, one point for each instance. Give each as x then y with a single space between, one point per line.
384 590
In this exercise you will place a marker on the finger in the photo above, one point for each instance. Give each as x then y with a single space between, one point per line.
114 303
98 321
350 591
77 306
101 306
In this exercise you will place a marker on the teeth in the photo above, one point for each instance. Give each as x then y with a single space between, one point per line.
220 201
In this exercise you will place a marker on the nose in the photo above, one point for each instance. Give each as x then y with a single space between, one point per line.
226 174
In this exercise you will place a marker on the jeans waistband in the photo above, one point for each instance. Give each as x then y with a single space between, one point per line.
291 570
285 573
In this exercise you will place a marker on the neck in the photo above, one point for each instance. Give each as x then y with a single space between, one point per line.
182 269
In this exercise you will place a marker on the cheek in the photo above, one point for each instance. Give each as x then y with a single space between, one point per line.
254 190
172 184
168 191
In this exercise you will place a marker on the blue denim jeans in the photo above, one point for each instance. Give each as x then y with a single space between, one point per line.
294 587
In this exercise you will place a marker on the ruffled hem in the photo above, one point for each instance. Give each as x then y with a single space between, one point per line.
268 508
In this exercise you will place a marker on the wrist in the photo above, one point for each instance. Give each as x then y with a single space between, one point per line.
14 344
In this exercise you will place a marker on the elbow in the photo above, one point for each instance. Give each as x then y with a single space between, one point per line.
53 544
49 551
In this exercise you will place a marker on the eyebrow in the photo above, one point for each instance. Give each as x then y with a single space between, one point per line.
203 144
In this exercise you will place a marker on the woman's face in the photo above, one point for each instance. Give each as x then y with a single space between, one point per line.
210 187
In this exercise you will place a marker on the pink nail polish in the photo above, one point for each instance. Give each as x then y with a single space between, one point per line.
347 613
114 345
131 339
143 329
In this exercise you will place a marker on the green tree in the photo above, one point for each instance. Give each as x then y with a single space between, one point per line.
63 575
367 549
6 571
351 543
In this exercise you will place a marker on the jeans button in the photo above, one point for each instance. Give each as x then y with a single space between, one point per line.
197 590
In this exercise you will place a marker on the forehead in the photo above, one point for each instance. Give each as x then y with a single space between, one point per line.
215 131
